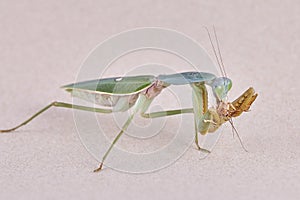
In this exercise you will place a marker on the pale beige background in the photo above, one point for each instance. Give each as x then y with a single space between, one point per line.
42 46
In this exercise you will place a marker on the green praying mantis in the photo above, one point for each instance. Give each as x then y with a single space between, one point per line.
120 94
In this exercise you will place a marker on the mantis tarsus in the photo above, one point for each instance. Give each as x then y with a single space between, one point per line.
137 93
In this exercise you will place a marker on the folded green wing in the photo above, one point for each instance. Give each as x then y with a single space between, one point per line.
115 85
119 92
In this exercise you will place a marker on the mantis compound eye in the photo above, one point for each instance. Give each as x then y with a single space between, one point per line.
221 86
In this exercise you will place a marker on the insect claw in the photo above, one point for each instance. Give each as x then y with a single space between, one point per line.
7 130
209 121
204 150
99 168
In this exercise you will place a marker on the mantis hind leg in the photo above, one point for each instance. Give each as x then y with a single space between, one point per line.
57 104
124 127
140 106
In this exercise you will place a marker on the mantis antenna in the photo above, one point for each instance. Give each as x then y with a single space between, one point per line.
215 52
223 72
219 51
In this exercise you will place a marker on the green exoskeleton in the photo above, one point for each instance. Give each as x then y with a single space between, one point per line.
119 94
137 93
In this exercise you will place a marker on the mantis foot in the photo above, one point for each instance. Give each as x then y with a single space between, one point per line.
99 168
202 149
8 130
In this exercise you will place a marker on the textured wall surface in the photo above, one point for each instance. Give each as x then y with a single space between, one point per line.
42 45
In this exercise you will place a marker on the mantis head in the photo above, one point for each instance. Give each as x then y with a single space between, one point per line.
221 87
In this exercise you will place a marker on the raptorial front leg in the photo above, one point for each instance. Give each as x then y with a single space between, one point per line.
196 136
200 106
197 141
209 122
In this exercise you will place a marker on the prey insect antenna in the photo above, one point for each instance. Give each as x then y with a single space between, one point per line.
214 49
241 142
219 51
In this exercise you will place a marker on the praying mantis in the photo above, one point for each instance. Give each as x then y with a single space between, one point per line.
120 94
